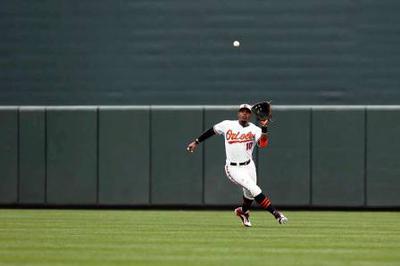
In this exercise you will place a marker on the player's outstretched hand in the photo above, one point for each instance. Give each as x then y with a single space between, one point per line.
192 146
264 123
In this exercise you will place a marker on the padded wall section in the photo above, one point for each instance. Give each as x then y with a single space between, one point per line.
338 162
319 156
176 175
284 166
124 155
9 155
72 155
32 165
383 168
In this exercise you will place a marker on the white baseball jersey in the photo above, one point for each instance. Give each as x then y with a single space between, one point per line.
239 140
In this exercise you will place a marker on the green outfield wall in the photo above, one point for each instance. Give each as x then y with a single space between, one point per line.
319 156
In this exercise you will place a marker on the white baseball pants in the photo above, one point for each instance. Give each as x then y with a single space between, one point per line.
244 176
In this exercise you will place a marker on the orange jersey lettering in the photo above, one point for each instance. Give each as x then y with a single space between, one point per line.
233 137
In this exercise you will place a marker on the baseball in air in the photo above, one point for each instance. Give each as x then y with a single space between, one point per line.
236 43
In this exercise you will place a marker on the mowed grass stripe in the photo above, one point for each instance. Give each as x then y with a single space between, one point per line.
105 237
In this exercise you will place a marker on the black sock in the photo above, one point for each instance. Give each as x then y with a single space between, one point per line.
266 204
246 204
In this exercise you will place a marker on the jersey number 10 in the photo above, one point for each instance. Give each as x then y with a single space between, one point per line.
249 145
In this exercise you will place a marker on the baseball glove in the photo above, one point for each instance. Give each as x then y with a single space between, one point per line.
262 110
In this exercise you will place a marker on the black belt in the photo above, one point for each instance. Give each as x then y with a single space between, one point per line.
244 163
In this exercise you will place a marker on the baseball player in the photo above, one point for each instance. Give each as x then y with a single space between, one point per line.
240 137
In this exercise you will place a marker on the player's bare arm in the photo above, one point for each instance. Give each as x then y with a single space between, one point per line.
193 145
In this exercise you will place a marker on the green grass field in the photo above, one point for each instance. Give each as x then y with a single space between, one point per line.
105 237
